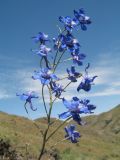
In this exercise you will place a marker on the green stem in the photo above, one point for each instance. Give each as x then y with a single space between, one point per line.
58 61
65 60
55 58
44 143
51 104
26 151
63 89
44 101
64 121
57 129
67 85
35 124
41 62
57 49
48 117
52 147
45 138
71 82
62 78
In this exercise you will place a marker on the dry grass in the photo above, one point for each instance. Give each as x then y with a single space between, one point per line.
100 137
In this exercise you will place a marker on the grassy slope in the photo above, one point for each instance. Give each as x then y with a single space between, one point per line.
100 137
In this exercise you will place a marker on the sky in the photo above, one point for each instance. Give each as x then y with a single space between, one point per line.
21 20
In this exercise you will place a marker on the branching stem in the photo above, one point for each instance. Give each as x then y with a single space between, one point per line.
57 129
44 101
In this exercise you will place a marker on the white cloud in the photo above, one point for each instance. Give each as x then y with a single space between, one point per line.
107 70
35 85
108 78
106 92
4 94
116 84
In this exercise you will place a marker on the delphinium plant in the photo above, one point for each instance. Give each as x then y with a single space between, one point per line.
65 42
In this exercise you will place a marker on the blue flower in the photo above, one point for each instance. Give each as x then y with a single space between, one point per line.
78 57
75 108
86 82
86 107
41 37
59 43
57 89
82 19
27 97
71 134
67 42
43 51
76 117
71 42
68 22
72 74
45 76
72 105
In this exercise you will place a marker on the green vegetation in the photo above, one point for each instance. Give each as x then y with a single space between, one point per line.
100 137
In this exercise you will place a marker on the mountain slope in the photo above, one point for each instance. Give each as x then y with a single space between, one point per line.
100 136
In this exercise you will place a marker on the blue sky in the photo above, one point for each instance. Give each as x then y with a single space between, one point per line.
20 20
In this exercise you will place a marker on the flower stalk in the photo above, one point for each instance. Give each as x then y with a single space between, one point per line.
47 77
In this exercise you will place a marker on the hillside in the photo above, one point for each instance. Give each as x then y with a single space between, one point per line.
100 136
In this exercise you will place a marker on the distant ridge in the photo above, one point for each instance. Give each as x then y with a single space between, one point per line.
100 136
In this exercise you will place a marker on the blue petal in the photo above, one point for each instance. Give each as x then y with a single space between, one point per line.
31 106
72 78
66 130
79 87
73 69
68 71
81 11
67 103
34 96
93 78
76 117
80 63
45 82
23 97
54 77
71 134
35 77
84 110
76 134
91 107
76 13
73 140
72 127
64 115
85 86
83 27
75 99
82 56
62 19
68 28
